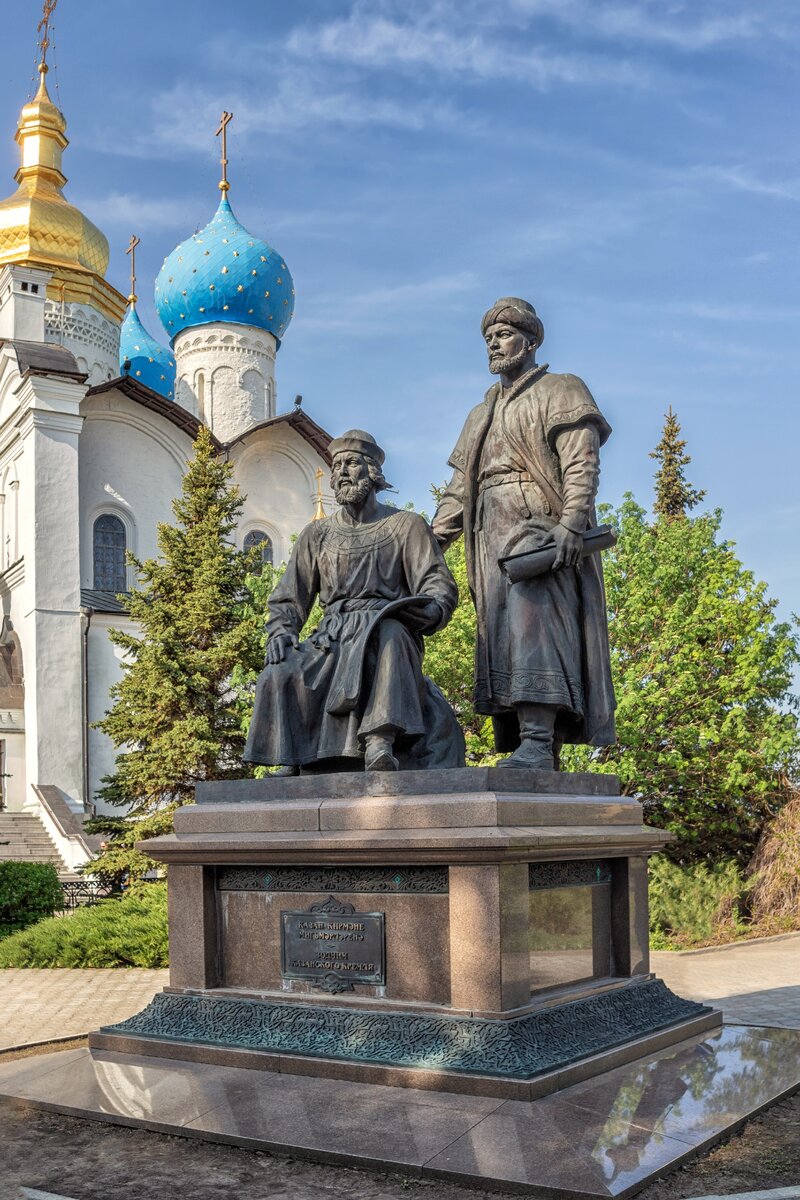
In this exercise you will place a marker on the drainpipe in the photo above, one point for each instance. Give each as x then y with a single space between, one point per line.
86 620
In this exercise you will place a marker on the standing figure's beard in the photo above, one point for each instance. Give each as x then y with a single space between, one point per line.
498 365
354 494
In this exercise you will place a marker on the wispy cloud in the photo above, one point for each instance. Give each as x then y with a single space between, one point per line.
129 209
299 98
385 308
455 46
743 179
684 25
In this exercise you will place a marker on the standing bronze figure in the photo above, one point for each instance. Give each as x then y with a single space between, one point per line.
525 475
353 693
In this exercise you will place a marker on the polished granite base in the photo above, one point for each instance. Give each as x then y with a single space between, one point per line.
608 1136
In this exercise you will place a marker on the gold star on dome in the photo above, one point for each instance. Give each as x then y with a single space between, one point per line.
206 252
263 258
162 377
240 288
225 308
202 308
211 287
151 360
225 240
137 347
254 272
279 280
265 295
249 310
236 254
283 266
138 372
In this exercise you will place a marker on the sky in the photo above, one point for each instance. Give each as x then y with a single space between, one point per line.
631 167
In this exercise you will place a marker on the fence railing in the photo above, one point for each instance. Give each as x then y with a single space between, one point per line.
81 892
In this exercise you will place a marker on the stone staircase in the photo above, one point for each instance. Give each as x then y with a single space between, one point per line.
23 838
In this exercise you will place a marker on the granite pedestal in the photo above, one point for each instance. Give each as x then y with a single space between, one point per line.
479 931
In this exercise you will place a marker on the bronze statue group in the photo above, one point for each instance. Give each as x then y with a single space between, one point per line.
525 475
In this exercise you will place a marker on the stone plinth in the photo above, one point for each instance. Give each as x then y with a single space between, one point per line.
479 929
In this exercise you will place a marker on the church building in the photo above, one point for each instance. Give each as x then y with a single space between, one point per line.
97 420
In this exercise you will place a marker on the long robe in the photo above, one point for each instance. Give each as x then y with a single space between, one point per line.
527 459
360 671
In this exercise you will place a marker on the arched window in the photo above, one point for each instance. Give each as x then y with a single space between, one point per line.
257 537
201 396
108 544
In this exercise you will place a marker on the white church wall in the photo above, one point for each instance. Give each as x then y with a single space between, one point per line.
45 604
275 469
104 662
12 734
131 464
91 337
226 376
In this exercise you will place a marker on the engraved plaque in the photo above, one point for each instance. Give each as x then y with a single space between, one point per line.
333 946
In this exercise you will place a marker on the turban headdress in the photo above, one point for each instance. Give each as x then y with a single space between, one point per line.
510 310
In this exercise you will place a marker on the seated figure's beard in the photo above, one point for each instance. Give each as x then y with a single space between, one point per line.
355 494
503 366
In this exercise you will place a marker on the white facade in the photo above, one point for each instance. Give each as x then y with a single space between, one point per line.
72 453
225 375
86 333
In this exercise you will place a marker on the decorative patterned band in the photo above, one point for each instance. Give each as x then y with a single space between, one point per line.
517 1049
428 880
569 874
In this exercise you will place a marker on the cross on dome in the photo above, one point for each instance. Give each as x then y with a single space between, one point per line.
134 242
222 132
43 29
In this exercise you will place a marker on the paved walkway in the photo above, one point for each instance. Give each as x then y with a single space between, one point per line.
754 983
38 1005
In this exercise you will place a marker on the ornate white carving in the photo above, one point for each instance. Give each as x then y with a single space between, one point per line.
226 376
84 331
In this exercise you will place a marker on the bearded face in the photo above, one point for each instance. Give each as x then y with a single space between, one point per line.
508 349
351 480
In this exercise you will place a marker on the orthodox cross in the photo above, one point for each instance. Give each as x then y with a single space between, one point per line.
43 29
223 130
134 242
319 511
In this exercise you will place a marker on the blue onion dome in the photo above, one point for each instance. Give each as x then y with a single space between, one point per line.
150 362
223 273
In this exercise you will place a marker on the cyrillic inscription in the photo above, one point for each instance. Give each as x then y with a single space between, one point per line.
333 946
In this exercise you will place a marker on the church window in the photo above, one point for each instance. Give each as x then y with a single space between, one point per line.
201 396
257 537
109 554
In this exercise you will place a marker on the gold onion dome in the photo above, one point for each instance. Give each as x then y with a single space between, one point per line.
38 225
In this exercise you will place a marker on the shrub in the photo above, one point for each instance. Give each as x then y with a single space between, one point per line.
775 894
690 905
129 932
28 893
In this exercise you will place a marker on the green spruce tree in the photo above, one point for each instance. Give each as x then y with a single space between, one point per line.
707 732
175 718
674 496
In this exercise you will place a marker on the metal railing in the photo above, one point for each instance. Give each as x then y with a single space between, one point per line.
79 893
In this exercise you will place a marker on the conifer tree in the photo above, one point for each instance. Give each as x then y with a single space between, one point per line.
707 731
674 496
175 718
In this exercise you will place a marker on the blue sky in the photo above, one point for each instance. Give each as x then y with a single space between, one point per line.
630 166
